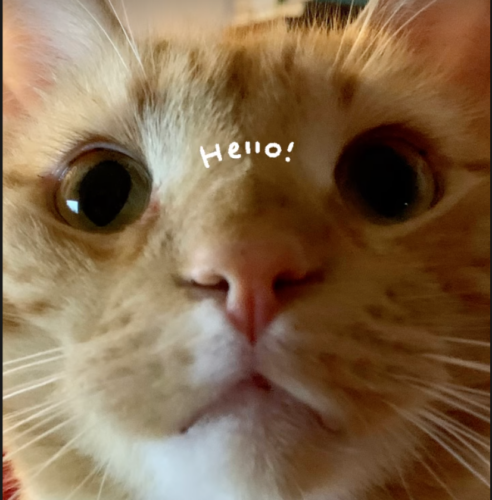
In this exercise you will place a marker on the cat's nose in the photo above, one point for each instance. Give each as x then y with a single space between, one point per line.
254 273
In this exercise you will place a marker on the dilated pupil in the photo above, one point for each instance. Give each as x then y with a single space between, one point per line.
385 181
104 191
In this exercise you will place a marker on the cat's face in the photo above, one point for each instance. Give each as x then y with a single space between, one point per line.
266 327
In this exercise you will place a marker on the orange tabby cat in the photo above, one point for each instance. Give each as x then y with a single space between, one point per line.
262 329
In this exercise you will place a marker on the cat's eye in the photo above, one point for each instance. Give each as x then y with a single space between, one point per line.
102 190
385 178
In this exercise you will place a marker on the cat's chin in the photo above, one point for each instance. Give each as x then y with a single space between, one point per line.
254 402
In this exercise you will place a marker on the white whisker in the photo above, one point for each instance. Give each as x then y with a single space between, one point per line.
462 429
448 385
56 456
466 399
442 424
394 34
34 417
477 343
413 17
382 30
37 426
454 404
82 484
15 414
131 42
344 34
39 385
9 455
461 388
30 365
444 486
32 356
442 443
366 16
421 460
464 363
105 34
442 392
99 495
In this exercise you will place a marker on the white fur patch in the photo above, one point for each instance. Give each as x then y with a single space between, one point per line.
220 354
222 456
190 467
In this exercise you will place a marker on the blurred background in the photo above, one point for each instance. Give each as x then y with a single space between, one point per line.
246 11
212 13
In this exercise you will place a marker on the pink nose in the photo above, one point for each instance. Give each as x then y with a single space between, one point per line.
252 272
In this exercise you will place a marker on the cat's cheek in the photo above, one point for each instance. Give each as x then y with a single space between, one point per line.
152 377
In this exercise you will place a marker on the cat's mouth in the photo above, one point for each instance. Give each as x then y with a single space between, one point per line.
255 382
263 392
260 382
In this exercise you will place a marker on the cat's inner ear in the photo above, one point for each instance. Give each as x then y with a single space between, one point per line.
454 34
41 35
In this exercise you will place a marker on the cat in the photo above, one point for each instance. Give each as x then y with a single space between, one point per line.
262 329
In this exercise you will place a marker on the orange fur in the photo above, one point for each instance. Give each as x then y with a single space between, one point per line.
371 339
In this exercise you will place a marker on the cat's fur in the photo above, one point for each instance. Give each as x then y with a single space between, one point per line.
369 345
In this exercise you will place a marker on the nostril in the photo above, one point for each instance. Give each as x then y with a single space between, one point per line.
219 284
288 280
207 279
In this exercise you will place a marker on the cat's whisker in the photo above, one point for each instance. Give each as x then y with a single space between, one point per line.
82 484
30 365
399 471
466 399
130 32
37 415
64 449
455 391
421 459
355 44
395 11
375 42
39 385
463 363
472 454
8 457
431 433
460 428
106 34
469 390
457 340
362 25
32 356
131 41
441 483
39 425
344 35
412 18
448 385
16 414
103 481
455 404
407 22
447 428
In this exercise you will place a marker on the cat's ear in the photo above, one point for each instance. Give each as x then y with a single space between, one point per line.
40 35
451 33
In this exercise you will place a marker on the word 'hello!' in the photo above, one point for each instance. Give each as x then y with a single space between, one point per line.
272 150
